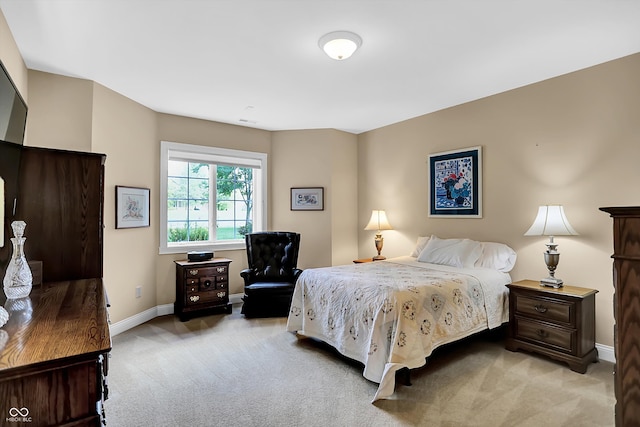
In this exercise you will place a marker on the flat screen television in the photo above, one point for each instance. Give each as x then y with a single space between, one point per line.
13 119
13 110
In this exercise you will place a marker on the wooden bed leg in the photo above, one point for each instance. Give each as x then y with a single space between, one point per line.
403 376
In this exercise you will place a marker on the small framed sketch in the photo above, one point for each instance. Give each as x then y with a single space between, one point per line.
307 199
455 183
132 207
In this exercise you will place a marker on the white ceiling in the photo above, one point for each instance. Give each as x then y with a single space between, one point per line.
257 63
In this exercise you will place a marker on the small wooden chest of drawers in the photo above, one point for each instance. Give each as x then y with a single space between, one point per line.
202 287
559 323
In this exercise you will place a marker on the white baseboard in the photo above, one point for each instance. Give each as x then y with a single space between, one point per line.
139 319
605 352
152 313
235 298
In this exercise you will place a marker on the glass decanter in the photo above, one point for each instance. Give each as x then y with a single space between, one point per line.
18 279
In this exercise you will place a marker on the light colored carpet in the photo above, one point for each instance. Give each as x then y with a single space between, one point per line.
225 370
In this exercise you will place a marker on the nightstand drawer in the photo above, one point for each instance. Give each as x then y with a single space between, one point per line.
543 334
207 297
548 309
201 272
222 282
207 283
207 271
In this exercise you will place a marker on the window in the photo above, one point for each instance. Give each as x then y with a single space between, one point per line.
210 197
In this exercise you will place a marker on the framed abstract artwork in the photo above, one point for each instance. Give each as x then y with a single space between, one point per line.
307 199
132 207
455 183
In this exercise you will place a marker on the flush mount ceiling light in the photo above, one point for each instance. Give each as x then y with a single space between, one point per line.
340 45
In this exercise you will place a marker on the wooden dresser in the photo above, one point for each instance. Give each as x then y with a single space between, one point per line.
54 360
626 308
54 348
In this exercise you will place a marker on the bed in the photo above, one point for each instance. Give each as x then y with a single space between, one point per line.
392 314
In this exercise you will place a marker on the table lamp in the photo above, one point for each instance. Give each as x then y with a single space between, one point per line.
378 222
551 221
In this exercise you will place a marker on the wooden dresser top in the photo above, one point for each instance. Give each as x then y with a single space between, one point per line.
63 320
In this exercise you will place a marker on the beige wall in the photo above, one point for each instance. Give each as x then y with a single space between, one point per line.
344 198
60 112
126 132
11 58
572 140
317 158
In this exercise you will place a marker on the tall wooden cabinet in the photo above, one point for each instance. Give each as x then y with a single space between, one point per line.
61 199
54 348
626 280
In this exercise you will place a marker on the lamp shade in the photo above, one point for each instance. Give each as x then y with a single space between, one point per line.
551 221
378 221
340 45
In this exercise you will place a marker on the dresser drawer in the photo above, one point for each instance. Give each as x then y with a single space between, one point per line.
548 309
544 334
207 283
214 296
207 271
222 282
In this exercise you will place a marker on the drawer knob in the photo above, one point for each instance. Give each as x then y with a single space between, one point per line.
193 272
194 298
540 308
542 333
207 283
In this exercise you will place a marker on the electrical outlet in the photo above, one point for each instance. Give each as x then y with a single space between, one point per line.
138 291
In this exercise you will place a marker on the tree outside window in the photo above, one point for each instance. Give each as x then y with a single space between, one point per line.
188 195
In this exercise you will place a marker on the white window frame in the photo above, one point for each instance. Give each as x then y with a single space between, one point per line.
195 153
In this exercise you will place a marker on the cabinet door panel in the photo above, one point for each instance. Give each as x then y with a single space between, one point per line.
61 200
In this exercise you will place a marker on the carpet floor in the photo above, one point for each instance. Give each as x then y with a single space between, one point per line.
225 370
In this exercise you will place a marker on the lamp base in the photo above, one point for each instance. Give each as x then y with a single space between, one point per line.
379 257
552 282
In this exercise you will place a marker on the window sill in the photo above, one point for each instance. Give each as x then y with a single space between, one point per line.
227 246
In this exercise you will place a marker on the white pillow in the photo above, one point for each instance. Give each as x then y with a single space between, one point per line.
461 253
420 244
497 256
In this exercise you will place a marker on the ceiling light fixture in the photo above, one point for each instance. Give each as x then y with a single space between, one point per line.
340 45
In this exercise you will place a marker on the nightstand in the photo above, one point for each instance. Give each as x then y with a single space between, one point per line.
558 323
202 287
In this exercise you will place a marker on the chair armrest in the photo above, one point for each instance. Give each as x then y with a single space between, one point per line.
248 275
296 274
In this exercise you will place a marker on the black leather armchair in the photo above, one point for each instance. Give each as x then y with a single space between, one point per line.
271 277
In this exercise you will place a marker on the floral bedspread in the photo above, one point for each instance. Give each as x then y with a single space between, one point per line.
392 314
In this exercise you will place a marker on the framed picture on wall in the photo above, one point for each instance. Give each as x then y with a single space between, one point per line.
132 207
307 199
455 183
